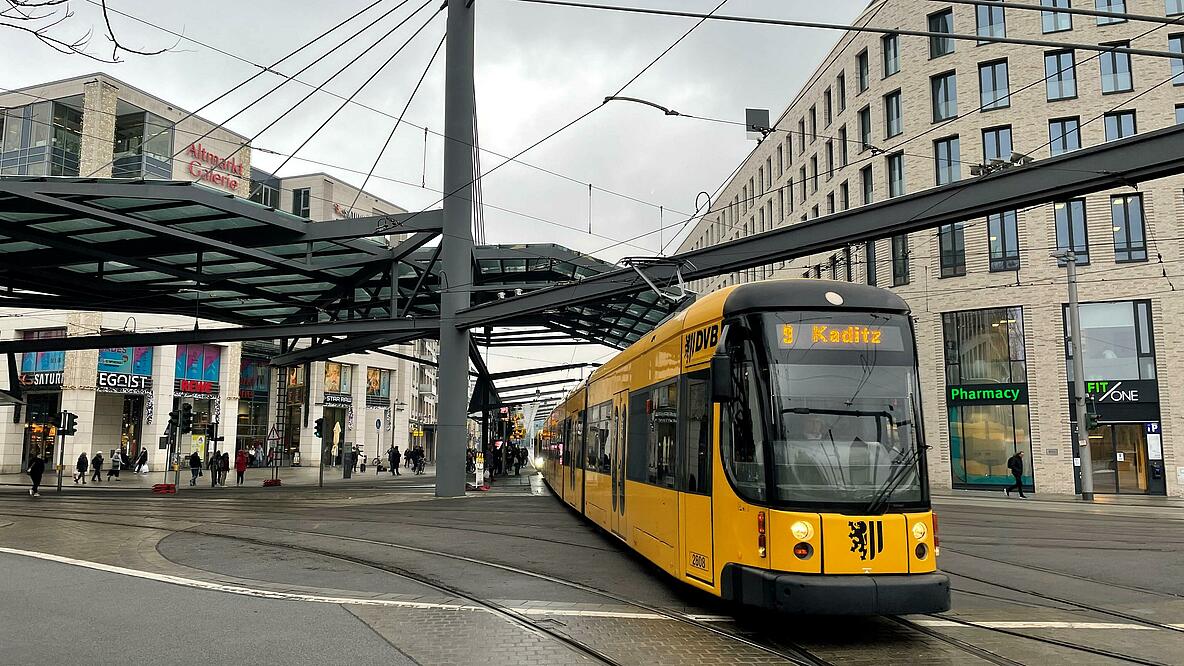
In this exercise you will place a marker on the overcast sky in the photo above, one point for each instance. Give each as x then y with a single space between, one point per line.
537 67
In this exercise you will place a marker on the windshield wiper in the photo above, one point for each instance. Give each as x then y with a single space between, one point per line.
898 476
843 412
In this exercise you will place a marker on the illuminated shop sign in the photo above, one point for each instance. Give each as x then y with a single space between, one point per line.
124 370
116 382
991 394
41 379
1120 391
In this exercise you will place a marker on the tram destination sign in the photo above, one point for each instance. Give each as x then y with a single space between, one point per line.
840 337
987 394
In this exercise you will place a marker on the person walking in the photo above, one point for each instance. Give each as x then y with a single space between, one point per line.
212 464
194 467
223 468
240 467
142 462
1016 465
116 463
396 460
80 468
96 466
36 469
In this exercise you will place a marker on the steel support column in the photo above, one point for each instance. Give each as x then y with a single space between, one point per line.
457 253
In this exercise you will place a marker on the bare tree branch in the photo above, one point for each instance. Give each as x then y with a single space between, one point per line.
47 20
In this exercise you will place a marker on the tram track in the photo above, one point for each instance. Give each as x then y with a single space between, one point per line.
791 653
964 646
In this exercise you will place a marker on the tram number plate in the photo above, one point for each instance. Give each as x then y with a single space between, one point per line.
699 561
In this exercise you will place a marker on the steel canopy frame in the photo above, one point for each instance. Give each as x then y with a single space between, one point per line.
1125 162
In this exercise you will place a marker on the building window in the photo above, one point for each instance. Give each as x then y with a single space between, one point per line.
828 115
780 203
844 196
942 22
769 173
890 44
829 152
992 81
1120 124
1116 70
1180 114
849 269
861 68
830 203
989 22
866 185
1176 45
947 160
985 349
813 174
895 170
1115 6
843 146
1003 241
841 90
301 202
834 267
944 91
1055 21
1060 74
1071 229
802 184
951 241
1064 134
814 211
801 136
900 260
780 160
813 123
760 181
1120 341
144 147
1173 7
869 260
893 115
865 128
997 143
1130 242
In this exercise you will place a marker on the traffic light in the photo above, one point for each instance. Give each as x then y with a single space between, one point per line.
174 419
68 423
1091 420
186 418
316 428
212 432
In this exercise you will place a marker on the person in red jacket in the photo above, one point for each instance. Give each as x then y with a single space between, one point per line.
240 466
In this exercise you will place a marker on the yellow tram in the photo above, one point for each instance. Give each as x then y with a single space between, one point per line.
764 444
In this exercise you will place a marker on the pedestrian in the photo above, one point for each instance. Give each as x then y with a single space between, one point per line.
1016 465
96 465
517 461
362 468
116 463
240 467
223 468
396 460
142 462
194 467
80 469
212 464
36 469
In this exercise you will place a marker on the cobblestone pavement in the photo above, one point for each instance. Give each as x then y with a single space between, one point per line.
371 573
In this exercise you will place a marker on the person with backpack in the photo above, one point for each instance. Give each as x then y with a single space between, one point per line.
80 468
1016 465
240 467
96 465
194 467
36 469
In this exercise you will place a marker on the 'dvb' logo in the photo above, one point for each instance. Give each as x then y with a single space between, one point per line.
867 538
696 341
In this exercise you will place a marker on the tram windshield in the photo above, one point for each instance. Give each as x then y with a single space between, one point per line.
842 418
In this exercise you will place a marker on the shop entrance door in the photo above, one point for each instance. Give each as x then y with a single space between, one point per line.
1119 459
41 431
334 438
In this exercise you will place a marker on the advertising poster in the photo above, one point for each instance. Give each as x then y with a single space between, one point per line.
212 363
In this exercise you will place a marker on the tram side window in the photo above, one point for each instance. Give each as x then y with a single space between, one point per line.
599 447
637 427
695 452
741 431
564 447
663 435
577 441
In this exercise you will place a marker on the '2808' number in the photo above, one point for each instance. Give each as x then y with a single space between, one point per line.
699 561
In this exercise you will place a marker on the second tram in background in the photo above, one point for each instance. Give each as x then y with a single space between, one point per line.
764 444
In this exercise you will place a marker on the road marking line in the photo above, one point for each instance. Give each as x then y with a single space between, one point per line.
1036 624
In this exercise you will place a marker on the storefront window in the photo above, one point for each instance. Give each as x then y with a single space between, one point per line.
378 387
986 395
1116 341
253 384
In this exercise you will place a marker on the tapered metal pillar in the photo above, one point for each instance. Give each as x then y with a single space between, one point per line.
456 257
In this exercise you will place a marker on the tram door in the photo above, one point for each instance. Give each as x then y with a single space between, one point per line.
617 463
694 459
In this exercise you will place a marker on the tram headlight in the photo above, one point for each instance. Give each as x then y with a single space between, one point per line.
538 462
919 531
802 531
803 551
922 551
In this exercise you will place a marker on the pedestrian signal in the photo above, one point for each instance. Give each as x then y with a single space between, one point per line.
316 428
68 423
